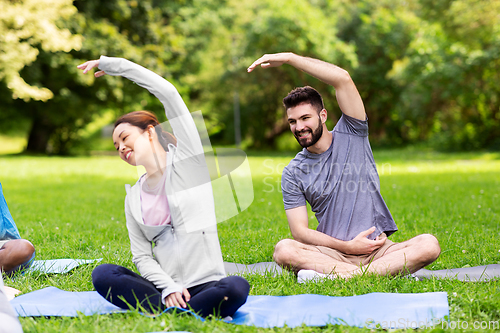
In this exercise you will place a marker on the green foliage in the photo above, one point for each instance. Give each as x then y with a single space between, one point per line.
134 30
427 70
450 76
27 26
381 32
419 67
228 38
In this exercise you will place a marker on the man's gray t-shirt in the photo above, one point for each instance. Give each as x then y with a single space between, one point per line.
341 184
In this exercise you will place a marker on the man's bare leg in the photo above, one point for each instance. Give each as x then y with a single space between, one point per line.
407 257
296 256
402 258
15 253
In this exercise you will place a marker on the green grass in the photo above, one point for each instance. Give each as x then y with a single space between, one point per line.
73 207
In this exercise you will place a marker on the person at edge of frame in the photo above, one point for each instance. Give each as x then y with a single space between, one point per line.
16 253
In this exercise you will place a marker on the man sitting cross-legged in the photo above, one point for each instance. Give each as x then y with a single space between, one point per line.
336 174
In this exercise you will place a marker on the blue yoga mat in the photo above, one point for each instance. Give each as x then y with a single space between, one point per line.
52 301
388 310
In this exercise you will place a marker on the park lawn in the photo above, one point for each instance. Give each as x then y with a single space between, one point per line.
73 208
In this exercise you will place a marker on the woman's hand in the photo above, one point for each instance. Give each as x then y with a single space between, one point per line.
86 66
175 299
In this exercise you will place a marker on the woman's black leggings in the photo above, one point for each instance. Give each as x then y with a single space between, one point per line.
125 289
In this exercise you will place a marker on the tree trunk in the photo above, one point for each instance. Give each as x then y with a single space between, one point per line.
39 137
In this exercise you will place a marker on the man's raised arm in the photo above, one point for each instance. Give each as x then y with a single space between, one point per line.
298 222
347 95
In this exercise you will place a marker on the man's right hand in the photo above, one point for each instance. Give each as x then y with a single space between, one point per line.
362 245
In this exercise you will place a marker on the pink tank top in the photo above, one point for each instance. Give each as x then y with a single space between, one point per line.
154 203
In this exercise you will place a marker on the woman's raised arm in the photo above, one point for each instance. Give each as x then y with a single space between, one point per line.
184 128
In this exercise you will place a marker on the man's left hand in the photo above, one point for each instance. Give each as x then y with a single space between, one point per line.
271 60
362 245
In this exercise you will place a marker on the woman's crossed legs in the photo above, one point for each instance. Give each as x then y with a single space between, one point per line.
126 289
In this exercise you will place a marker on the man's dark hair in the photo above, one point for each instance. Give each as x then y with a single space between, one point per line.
301 95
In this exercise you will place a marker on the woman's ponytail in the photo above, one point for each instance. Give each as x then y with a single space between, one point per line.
165 138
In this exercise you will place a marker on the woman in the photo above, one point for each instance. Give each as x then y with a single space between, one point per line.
169 211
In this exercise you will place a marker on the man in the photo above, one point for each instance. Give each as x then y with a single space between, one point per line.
15 253
336 174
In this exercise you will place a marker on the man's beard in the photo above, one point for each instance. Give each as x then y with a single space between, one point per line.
316 135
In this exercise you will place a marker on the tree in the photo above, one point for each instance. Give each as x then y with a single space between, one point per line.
426 69
381 32
224 39
135 30
451 73
26 26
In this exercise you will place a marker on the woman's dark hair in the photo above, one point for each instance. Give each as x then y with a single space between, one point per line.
301 95
143 119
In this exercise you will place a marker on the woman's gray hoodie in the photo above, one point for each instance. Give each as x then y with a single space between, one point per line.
187 252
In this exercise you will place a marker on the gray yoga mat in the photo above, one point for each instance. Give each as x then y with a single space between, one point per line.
261 268
470 274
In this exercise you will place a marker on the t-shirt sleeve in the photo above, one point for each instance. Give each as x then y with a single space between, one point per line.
293 196
350 125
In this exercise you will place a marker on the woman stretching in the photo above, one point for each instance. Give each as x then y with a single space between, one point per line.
169 211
